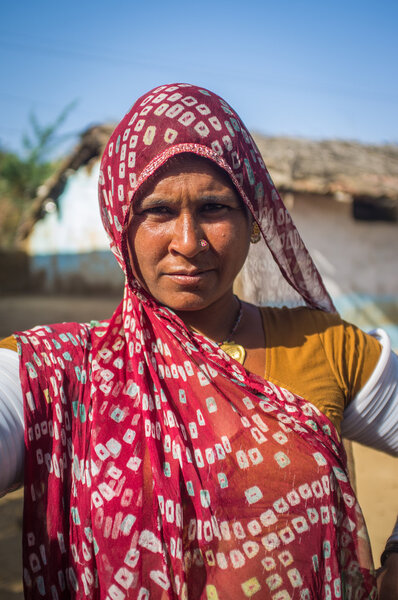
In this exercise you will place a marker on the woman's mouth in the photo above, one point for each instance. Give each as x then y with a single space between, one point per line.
192 277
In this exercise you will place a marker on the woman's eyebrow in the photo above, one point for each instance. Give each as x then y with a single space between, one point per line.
157 200
214 197
152 200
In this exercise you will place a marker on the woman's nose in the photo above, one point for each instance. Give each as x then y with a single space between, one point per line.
187 235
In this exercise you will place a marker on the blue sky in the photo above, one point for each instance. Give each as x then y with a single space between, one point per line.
309 68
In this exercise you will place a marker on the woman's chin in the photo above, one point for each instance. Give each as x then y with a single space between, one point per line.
188 301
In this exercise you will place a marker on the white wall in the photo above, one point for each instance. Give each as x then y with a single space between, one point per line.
76 226
357 259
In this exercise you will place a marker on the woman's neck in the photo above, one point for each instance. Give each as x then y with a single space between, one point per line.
215 321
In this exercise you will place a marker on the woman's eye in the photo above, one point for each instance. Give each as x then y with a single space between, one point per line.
157 210
214 207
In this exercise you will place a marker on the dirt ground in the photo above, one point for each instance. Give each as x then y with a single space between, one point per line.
376 473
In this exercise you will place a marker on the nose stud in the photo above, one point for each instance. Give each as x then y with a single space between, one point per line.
203 243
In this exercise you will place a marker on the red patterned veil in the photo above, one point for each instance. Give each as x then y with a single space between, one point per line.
157 466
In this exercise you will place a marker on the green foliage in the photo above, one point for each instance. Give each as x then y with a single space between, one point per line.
44 139
20 176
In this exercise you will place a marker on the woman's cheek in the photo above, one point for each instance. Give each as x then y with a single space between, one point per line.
154 237
222 232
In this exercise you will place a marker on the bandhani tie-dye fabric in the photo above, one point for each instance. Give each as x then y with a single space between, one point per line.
157 466
180 118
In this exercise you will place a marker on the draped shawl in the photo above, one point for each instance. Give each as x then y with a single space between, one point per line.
157 466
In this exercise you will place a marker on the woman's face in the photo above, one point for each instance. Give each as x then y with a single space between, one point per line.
191 202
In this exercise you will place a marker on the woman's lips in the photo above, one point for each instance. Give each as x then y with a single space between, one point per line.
189 277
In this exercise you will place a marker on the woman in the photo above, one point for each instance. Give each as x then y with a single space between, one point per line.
160 462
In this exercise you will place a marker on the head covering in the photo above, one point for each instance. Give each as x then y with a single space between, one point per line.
173 119
158 467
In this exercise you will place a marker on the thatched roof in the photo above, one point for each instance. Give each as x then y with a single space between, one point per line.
86 153
330 167
296 165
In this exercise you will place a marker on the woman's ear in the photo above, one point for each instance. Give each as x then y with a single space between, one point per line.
129 239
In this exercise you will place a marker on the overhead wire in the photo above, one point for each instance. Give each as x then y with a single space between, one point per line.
63 49
319 87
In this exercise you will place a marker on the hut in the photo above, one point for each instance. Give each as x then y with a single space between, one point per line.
62 235
343 197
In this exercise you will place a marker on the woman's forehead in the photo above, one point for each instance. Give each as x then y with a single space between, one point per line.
188 162
189 169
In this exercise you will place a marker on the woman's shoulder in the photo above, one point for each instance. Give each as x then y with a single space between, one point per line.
342 342
54 336
294 326
60 352
9 343
70 332
300 313
313 337
55 342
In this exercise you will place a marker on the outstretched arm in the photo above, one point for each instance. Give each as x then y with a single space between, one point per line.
11 422
371 418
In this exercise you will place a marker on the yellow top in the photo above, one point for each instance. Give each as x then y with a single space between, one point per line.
10 343
318 356
313 354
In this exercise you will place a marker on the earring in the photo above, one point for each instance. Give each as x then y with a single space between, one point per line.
255 234
203 243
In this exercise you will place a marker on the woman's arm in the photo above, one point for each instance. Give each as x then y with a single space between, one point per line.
11 422
371 418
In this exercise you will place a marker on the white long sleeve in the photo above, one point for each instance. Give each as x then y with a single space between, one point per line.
371 418
11 422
